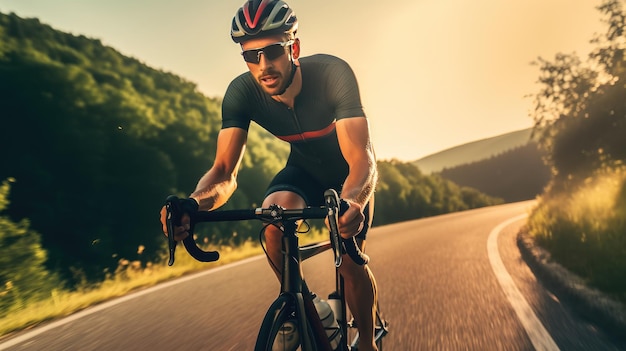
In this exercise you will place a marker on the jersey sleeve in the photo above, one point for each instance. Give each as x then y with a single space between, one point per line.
235 112
344 91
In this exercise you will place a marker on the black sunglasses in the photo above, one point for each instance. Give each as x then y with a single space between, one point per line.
271 52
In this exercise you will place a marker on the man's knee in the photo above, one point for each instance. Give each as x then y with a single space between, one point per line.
286 199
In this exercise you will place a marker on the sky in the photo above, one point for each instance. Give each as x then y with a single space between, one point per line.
433 74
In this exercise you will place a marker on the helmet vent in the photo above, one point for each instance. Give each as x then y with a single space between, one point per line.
281 15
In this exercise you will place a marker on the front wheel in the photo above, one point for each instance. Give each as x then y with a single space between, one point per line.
279 330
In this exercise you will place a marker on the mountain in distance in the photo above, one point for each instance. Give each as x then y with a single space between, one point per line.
509 166
473 151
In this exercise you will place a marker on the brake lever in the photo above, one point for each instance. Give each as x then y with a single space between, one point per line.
336 208
171 219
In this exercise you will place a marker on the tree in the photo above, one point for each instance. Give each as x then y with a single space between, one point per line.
23 275
580 117
580 112
97 141
404 193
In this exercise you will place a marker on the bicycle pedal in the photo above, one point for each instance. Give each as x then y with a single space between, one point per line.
382 325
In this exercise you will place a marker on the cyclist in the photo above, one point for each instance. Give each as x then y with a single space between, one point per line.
314 104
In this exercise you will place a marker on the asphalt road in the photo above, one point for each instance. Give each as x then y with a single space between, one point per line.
452 282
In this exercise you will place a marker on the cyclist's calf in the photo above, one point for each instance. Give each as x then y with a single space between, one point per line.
361 291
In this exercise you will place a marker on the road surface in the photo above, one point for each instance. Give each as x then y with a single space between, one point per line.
451 282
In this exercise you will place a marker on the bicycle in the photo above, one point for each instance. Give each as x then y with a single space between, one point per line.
293 320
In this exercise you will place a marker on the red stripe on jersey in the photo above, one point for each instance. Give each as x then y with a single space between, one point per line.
308 135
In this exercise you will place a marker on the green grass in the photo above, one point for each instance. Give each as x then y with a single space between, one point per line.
584 228
129 277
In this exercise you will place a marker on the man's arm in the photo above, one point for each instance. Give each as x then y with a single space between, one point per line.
356 147
218 183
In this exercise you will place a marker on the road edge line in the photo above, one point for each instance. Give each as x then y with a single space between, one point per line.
537 333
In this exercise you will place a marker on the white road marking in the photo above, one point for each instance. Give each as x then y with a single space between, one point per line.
31 334
537 333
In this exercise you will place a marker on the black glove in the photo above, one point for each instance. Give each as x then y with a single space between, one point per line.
188 206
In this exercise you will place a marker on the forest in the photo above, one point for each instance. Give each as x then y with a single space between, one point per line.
94 141
580 123
514 175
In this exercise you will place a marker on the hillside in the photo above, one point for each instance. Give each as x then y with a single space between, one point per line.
507 166
99 139
473 151
514 175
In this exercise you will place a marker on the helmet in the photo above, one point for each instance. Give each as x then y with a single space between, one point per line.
257 18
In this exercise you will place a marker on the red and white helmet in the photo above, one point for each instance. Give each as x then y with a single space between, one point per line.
258 18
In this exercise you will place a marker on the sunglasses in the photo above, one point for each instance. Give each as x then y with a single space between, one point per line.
271 52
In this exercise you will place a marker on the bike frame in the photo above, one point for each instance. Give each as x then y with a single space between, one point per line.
294 291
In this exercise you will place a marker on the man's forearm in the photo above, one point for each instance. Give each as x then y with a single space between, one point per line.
361 183
211 194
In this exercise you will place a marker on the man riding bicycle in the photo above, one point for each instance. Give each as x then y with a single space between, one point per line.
314 104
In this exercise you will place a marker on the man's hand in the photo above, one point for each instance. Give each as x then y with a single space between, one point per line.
351 222
182 231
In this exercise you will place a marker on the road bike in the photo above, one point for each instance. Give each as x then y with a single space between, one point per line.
297 319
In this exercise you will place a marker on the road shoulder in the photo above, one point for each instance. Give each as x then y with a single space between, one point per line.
595 306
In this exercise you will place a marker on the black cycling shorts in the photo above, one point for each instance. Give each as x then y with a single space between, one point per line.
296 180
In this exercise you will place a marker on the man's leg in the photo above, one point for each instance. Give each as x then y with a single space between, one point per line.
273 235
361 296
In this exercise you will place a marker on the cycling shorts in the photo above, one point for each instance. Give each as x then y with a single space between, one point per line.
296 180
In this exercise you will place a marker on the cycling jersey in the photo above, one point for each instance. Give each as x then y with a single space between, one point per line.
329 93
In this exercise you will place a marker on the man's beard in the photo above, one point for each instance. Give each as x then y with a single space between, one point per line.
274 89
284 83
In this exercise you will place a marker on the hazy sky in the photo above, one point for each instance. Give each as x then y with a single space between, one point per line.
433 74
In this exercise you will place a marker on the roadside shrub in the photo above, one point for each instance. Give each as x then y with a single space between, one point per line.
584 228
23 276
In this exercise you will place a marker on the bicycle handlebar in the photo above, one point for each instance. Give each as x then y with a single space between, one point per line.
332 210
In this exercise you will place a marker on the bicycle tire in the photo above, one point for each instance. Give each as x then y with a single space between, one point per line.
271 334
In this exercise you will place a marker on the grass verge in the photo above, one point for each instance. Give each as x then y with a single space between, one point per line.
584 229
129 277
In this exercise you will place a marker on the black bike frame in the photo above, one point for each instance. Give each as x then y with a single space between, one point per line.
292 281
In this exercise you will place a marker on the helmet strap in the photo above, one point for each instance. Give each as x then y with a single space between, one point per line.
294 67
